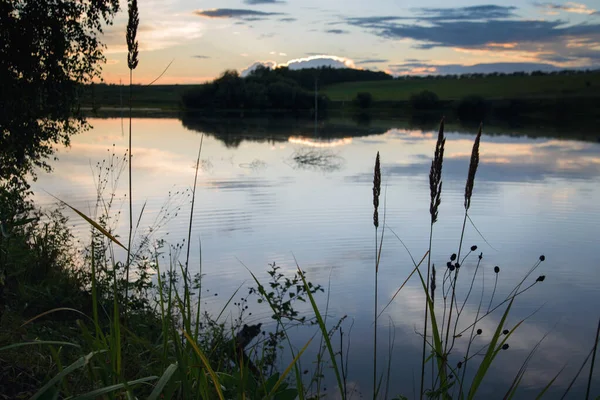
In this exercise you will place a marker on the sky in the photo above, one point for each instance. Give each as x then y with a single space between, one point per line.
203 38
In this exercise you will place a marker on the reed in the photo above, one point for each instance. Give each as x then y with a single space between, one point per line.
132 63
376 193
435 191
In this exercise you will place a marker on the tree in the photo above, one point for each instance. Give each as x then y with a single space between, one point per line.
48 50
363 100
424 101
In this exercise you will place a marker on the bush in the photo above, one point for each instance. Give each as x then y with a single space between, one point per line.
363 100
471 108
425 100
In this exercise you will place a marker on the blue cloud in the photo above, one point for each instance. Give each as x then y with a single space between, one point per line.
458 69
256 2
372 61
336 31
235 13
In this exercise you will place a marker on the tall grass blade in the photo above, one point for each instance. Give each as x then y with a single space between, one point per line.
98 393
37 342
80 363
545 389
324 332
91 222
593 351
162 382
490 354
53 311
589 384
206 365
287 370
189 238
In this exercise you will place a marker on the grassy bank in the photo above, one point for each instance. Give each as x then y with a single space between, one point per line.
386 94
489 87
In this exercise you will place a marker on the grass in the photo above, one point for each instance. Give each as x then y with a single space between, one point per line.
168 97
167 347
489 87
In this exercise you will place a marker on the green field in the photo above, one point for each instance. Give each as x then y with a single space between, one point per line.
489 87
168 97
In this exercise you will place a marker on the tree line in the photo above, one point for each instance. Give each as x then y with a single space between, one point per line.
274 89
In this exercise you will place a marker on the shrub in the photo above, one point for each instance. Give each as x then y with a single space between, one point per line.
471 108
363 100
425 100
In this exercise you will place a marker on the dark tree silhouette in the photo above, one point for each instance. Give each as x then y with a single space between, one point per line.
48 50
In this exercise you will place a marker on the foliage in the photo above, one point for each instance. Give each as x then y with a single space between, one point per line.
43 60
363 100
471 108
255 92
424 100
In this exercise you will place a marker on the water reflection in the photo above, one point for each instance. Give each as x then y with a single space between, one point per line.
533 195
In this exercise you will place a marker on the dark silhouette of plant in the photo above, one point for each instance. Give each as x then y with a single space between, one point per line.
43 63
425 100
363 100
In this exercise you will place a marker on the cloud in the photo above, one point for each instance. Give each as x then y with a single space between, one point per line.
201 56
502 160
569 7
157 35
246 14
480 33
473 13
246 71
493 31
372 61
314 61
482 12
256 2
287 19
424 68
336 31
320 61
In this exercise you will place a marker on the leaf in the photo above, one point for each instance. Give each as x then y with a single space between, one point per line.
288 369
94 394
206 364
164 379
49 342
81 362
490 353
91 222
324 332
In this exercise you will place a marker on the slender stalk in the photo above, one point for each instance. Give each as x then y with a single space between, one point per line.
376 193
187 257
453 297
130 198
375 325
426 313
589 384
132 62
435 192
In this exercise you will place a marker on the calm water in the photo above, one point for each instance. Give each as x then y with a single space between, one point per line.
258 204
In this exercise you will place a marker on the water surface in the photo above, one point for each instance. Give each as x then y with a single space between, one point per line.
278 192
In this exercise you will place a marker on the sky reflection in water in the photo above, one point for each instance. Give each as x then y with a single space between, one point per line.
256 205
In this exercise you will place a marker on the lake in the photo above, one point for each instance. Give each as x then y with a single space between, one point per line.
272 191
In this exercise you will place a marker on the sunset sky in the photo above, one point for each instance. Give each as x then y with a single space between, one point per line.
206 37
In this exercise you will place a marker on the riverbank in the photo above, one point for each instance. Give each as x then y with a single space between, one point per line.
385 94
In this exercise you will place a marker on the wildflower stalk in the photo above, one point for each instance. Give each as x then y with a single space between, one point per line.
435 191
474 163
132 62
376 193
